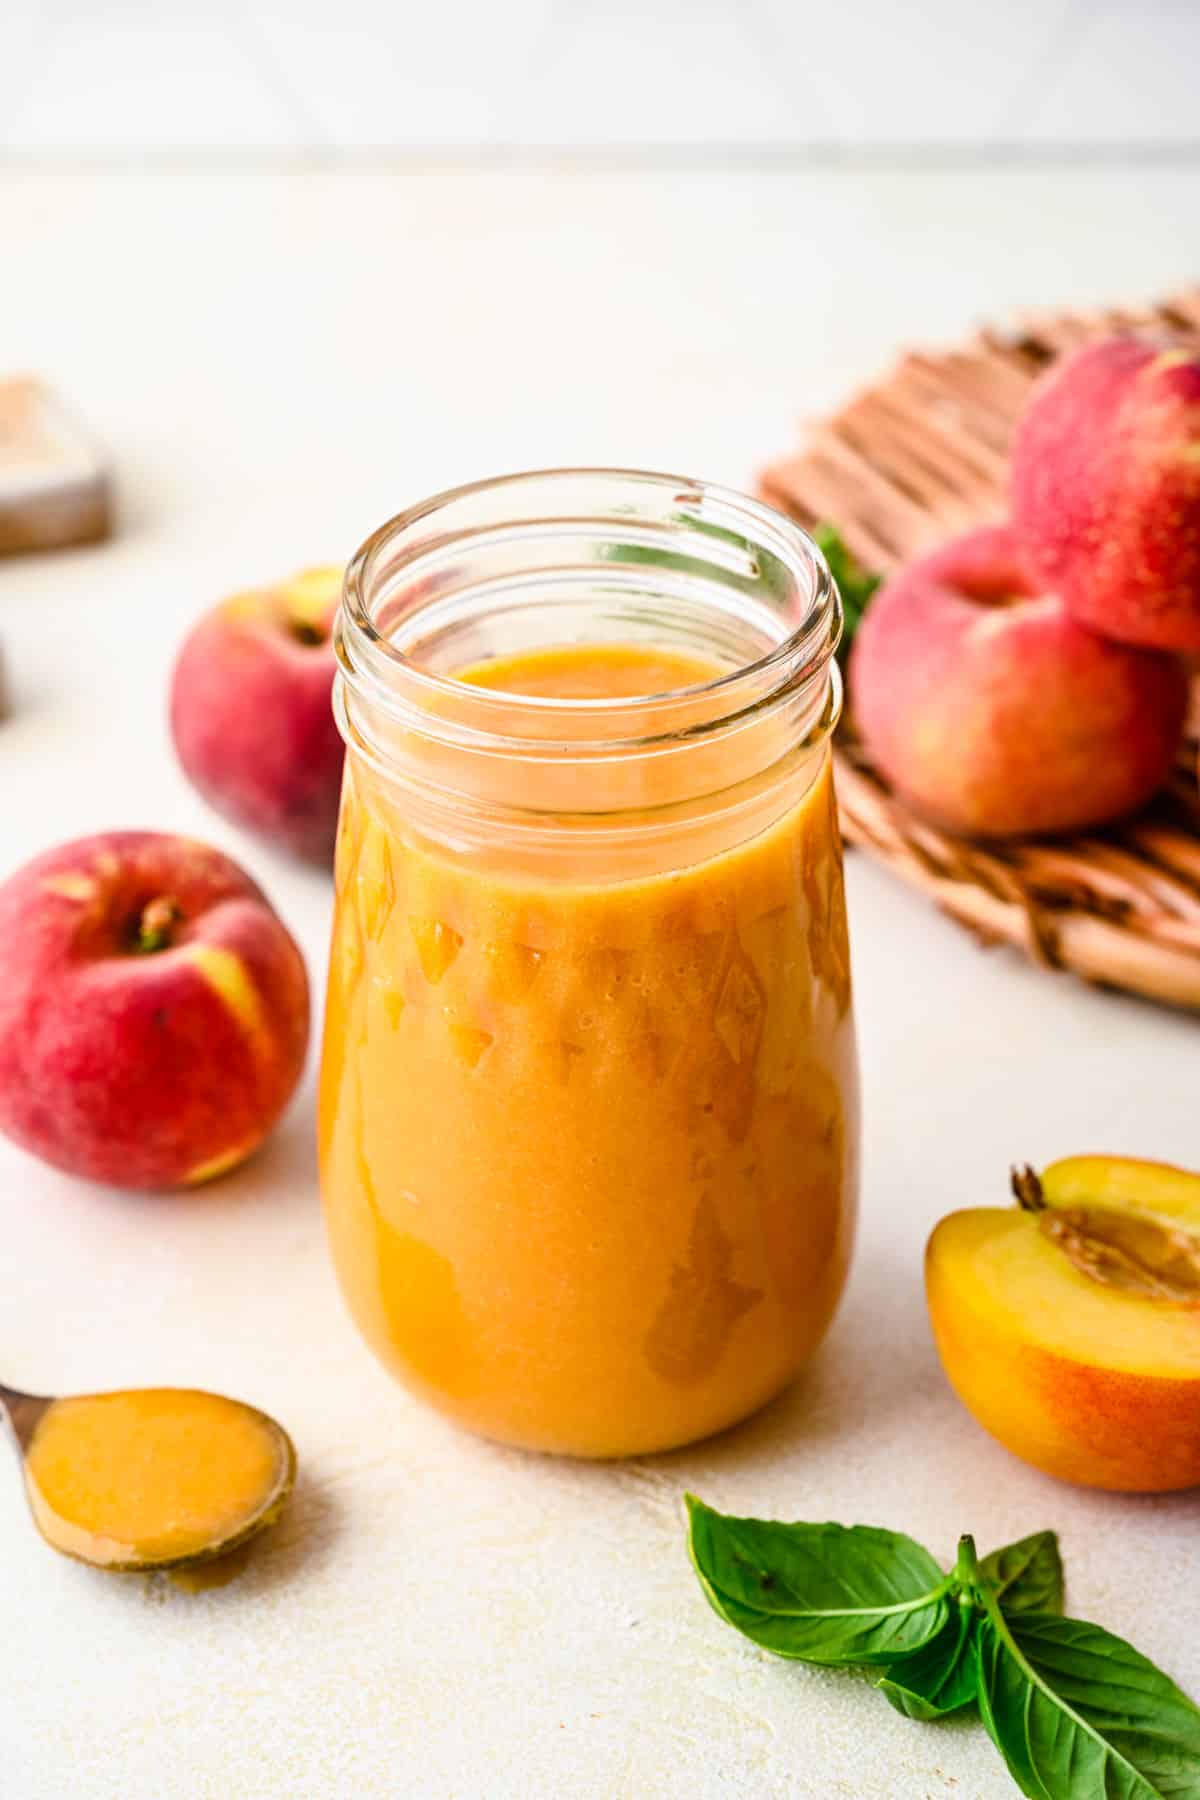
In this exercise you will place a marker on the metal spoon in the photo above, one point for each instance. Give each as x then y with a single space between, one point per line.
102 1545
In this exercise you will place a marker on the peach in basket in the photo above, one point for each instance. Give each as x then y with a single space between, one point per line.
993 712
1106 487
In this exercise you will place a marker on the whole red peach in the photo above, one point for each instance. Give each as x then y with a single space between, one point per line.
252 712
153 1010
1106 488
993 712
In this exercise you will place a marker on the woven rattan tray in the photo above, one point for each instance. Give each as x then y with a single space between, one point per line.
914 459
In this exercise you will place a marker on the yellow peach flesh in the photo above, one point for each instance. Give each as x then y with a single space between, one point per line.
1086 1381
1124 1182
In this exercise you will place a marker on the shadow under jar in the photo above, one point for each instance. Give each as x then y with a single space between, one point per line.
588 1107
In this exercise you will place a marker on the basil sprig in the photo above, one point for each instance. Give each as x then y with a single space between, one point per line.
855 584
1074 1711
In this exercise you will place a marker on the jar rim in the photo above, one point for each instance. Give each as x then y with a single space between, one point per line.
745 531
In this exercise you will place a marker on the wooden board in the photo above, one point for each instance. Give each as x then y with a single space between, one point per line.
54 487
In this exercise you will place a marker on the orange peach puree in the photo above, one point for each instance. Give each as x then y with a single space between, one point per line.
152 1475
587 1149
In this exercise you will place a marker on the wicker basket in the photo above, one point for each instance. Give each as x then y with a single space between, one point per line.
908 462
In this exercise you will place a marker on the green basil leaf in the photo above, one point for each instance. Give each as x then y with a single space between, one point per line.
822 1593
1027 1576
1075 1711
855 584
942 1677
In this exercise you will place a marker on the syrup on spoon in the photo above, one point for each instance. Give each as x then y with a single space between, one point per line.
150 1478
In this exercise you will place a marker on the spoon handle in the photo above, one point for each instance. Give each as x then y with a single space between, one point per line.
24 1412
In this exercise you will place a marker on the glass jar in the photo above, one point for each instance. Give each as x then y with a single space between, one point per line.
588 1108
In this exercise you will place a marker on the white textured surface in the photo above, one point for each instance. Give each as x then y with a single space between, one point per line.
122 76
277 363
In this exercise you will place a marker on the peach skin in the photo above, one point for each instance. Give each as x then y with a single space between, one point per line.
153 1010
1106 488
1070 1324
992 712
252 712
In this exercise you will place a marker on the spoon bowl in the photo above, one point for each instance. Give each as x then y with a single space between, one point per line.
149 1478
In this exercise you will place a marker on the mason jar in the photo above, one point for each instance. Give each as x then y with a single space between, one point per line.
588 1112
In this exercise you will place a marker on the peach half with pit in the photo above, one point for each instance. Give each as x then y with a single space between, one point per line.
1069 1324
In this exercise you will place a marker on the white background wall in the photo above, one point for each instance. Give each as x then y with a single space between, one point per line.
127 77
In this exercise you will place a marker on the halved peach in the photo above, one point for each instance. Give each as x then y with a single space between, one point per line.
1069 1325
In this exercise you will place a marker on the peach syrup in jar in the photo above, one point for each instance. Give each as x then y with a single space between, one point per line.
588 1099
